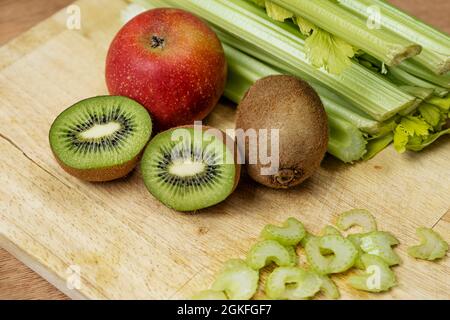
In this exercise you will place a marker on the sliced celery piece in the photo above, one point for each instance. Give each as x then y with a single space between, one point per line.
330 230
308 236
239 282
357 217
436 50
267 251
344 252
209 295
292 254
234 263
432 246
343 259
386 47
289 234
326 231
378 277
284 43
307 287
329 288
292 283
380 244
355 238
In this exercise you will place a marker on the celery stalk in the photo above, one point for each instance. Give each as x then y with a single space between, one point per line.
419 71
418 92
402 77
250 70
376 145
346 142
436 48
335 105
387 47
243 72
367 91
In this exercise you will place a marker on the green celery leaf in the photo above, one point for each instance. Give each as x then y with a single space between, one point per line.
401 138
414 140
418 146
277 13
306 27
261 3
328 51
431 114
442 103
408 128
416 132
324 49
415 125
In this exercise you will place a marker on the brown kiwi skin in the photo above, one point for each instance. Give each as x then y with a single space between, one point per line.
236 153
292 106
101 174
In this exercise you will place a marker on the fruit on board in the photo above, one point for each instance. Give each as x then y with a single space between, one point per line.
171 62
293 107
100 138
191 167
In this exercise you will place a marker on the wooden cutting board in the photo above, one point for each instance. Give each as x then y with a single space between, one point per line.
123 242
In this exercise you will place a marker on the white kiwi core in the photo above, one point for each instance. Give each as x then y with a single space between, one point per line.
186 167
100 130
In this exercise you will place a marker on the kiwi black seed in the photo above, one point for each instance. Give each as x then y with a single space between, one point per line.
193 173
100 138
293 107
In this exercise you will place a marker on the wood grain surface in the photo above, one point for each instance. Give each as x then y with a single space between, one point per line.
19 282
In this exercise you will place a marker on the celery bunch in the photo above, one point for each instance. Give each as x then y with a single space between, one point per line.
376 86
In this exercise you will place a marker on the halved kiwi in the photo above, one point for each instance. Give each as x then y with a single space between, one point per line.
190 168
100 138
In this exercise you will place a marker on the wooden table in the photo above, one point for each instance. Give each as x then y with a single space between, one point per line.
16 280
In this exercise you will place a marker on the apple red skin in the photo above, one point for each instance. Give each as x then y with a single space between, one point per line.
179 81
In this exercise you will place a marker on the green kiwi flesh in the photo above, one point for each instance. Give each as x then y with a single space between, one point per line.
100 138
190 173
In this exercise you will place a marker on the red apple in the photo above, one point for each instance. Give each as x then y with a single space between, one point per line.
171 62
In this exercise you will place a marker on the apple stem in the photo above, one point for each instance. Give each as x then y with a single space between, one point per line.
157 42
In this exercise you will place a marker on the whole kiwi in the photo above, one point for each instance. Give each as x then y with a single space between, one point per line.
293 107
